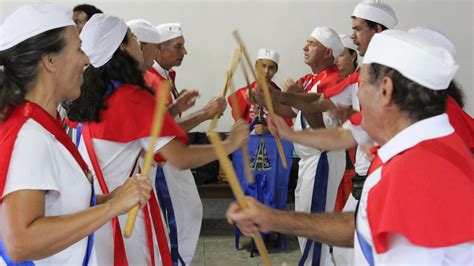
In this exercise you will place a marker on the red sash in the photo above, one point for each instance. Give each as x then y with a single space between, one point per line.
339 87
12 125
120 256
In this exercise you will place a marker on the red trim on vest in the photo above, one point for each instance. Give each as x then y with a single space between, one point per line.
425 194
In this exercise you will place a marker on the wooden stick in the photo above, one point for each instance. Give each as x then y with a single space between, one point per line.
236 189
156 127
228 77
261 81
245 148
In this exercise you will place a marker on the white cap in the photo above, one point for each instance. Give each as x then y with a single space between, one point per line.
347 41
376 11
101 36
169 31
144 31
330 39
435 37
31 20
414 57
268 54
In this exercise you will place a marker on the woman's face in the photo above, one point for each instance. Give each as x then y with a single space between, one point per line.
134 50
69 66
345 62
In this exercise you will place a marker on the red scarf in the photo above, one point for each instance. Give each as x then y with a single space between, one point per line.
339 87
325 79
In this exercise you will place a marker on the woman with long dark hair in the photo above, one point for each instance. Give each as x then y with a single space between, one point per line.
115 111
47 212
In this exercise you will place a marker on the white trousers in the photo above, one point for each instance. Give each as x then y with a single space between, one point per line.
304 191
345 256
187 207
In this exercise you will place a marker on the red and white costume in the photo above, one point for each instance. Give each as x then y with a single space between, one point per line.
246 109
34 159
310 157
118 139
181 185
416 202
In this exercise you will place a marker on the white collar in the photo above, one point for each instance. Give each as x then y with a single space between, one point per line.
429 128
163 72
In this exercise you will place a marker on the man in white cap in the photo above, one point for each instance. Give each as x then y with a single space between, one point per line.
461 121
149 39
185 199
320 172
170 53
82 13
253 113
403 104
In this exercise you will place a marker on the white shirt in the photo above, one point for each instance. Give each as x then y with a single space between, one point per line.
347 97
401 251
40 162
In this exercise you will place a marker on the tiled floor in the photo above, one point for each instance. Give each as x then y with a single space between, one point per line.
216 247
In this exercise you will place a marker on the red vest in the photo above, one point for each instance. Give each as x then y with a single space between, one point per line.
425 194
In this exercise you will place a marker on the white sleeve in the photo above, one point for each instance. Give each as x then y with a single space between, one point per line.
160 142
344 98
359 134
32 164
403 252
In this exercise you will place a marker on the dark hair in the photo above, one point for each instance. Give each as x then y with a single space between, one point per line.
19 67
90 10
371 24
121 67
351 52
455 91
412 98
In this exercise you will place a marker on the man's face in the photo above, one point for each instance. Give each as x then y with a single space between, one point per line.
361 34
370 101
149 51
172 52
269 68
80 18
314 52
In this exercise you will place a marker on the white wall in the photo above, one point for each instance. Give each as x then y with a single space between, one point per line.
282 25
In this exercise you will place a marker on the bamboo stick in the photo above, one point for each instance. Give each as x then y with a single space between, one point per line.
228 77
156 127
